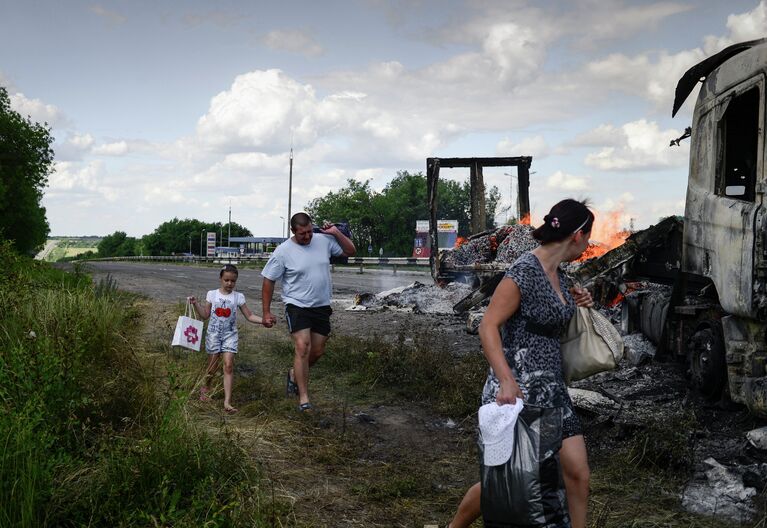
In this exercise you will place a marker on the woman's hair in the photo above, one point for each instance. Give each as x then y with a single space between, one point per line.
231 268
565 219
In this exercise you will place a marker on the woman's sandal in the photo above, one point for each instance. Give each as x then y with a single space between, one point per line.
230 410
204 394
304 407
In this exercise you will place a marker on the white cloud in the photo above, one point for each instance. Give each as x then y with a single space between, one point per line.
261 109
600 20
750 25
292 40
517 51
80 141
535 146
653 75
567 182
603 135
649 76
67 175
117 148
220 19
73 147
644 147
111 16
36 109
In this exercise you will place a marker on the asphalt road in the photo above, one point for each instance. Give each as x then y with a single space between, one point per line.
173 282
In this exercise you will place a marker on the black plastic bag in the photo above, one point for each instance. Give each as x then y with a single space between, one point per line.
344 228
528 489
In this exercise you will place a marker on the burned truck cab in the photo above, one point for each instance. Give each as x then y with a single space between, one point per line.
724 242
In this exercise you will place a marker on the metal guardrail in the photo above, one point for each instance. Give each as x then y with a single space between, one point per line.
394 262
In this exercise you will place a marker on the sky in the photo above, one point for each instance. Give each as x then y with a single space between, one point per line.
187 108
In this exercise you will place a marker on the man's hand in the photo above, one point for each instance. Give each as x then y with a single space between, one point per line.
329 228
269 320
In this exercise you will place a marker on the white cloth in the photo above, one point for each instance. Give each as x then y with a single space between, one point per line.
496 427
304 270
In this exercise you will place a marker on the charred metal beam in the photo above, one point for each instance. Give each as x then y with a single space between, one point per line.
654 236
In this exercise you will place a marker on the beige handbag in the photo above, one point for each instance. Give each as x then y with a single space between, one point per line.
591 344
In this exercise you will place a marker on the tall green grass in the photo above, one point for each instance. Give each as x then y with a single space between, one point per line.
86 438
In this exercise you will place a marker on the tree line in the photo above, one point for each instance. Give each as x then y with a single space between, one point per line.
172 237
384 219
387 219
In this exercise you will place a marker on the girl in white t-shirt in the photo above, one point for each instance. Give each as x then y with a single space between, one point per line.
221 338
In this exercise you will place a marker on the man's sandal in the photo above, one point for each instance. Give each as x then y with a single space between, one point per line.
304 407
291 388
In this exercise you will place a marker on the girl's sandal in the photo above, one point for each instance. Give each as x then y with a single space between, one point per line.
204 394
230 410
304 407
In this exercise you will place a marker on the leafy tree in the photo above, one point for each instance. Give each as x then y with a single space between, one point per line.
387 219
26 160
118 244
176 236
353 204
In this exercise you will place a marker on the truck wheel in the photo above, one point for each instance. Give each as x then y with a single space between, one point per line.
706 359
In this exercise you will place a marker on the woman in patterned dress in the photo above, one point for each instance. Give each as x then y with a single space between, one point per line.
520 339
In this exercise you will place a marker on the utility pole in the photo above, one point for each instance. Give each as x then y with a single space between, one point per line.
290 183
229 235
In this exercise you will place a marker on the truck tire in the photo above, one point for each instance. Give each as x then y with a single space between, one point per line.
706 359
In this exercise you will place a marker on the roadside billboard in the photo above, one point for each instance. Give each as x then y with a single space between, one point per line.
211 248
447 233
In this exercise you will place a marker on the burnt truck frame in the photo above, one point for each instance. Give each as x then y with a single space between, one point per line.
715 258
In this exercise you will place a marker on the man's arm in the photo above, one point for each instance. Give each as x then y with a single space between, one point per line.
267 291
346 245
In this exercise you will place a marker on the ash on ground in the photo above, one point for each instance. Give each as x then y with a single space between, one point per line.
416 297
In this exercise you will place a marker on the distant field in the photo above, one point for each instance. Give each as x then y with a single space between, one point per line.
71 247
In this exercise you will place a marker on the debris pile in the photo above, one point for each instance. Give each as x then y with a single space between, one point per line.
416 297
722 491
503 245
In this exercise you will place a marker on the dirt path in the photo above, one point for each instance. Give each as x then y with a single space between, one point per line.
364 458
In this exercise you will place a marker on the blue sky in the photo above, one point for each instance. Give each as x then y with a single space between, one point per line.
179 109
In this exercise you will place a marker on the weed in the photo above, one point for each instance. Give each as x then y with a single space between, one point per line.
106 287
418 369
660 446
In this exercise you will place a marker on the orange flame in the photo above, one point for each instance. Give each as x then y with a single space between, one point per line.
525 220
606 234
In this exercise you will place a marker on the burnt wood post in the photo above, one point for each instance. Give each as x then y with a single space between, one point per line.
432 177
477 187
523 189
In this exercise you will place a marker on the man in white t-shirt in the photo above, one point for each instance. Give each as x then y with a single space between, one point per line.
302 263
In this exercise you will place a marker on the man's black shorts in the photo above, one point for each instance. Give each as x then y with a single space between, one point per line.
316 319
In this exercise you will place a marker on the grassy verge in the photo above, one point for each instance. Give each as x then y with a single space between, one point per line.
88 440
636 483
